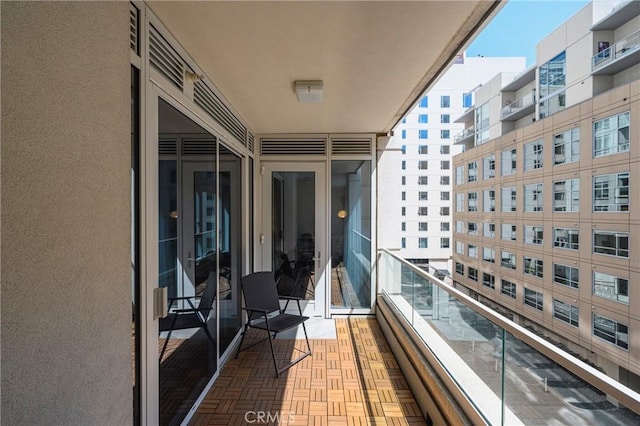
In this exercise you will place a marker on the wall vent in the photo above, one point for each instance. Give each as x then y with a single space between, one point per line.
351 146
250 141
293 147
165 59
208 100
167 147
199 147
134 28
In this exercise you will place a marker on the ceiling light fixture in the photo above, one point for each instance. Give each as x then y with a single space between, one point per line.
309 91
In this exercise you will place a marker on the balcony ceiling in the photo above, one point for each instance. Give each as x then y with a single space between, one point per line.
375 58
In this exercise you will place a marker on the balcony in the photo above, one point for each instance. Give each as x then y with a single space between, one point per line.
497 371
465 135
518 108
622 55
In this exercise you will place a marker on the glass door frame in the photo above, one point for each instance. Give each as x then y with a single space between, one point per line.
321 301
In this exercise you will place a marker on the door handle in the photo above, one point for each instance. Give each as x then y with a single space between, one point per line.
190 259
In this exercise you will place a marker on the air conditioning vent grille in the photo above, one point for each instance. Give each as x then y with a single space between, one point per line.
293 147
351 147
134 28
205 97
199 147
250 141
165 59
167 147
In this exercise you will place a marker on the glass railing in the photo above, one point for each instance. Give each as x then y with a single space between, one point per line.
517 105
469 131
617 51
509 374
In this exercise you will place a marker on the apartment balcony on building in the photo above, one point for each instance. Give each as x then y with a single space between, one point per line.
617 52
519 96
465 135
517 109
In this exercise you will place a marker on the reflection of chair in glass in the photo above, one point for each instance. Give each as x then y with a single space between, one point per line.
263 308
192 317
293 279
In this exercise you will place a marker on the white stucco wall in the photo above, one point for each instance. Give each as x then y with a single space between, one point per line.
66 298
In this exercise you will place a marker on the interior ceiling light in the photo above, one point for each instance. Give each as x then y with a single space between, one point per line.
309 91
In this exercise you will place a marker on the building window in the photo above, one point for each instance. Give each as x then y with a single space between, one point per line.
424 102
459 226
459 175
404 180
459 247
445 118
509 162
566 238
533 155
566 147
404 165
423 195
533 299
404 226
423 180
404 134
404 211
473 273
533 234
423 118
508 288
611 331
508 199
444 211
423 165
488 280
403 242
489 230
445 101
611 243
508 259
472 251
508 232
423 242
444 242
445 165
565 312
459 268
403 195
444 149
423 134
459 202
473 171
472 228
445 226
552 84
533 198
489 200
489 255
423 211
533 267
611 287
566 275
445 134
423 149
473 201
611 135
444 195
404 149
489 167
467 100
611 192
444 180
482 123
423 226
566 195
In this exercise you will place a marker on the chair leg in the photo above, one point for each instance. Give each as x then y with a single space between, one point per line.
273 352
244 333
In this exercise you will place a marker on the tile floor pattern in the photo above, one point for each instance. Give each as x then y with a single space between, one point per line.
351 380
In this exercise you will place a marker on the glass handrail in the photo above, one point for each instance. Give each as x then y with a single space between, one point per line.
510 374
618 50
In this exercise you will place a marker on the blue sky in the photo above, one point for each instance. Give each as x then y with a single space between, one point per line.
520 25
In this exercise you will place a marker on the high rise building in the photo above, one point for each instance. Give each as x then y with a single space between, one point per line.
547 225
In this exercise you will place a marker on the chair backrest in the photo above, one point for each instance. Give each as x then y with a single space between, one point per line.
209 293
260 292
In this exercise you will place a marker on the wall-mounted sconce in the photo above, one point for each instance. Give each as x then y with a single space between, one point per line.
173 214
342 214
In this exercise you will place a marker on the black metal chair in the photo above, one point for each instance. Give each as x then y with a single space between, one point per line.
263 308
192 317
